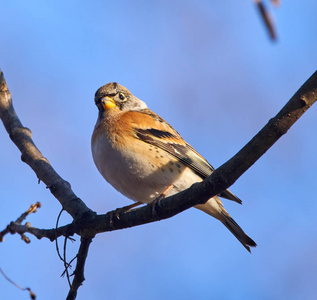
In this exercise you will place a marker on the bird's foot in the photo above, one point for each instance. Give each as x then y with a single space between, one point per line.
115 213
156 202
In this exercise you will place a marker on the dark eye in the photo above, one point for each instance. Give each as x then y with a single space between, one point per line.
121 96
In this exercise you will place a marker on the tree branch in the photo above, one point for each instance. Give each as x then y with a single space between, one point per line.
22 138
87 224
10 228
79 271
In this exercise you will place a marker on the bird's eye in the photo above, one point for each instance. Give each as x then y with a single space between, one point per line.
121 96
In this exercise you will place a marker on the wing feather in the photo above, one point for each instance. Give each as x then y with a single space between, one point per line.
169 140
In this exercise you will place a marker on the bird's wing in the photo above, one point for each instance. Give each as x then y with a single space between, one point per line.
164 136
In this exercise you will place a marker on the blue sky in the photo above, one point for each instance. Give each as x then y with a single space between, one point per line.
209 69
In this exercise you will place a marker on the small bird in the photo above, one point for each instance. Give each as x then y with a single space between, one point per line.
143 157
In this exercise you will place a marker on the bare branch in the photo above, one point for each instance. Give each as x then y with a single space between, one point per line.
51 234
266 17
87 224
90 224
10 228
79 271
22 137
32 209
32 295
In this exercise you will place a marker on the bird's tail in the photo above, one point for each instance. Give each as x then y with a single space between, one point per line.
214 208
237 231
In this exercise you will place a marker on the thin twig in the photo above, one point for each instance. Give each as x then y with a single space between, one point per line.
32 295
64 259
79 271
66 265
56 241
33 208
267 19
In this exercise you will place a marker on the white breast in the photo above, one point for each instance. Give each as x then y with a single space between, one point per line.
126 171
140 176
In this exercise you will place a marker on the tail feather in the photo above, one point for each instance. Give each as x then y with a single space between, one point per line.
237 231
229 196
214 208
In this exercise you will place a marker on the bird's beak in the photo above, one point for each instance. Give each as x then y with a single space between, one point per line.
107 103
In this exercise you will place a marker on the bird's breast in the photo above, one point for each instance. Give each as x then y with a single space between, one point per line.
141 172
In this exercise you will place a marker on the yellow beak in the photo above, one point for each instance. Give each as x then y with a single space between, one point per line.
107 103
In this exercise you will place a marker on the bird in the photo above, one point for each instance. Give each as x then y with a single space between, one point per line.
144 157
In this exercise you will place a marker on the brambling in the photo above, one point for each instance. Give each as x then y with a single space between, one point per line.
143 157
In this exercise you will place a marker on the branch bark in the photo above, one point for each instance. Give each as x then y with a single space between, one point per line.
22 138
79 271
